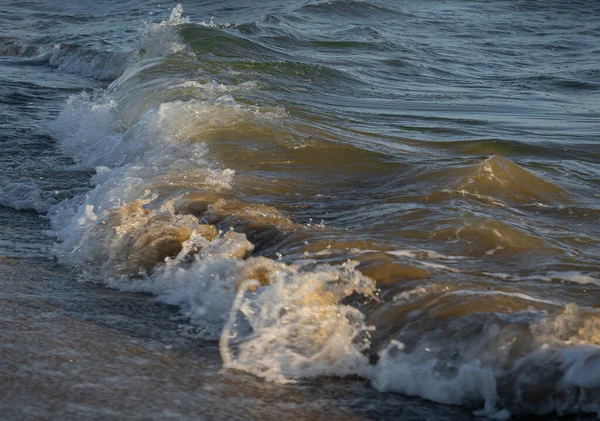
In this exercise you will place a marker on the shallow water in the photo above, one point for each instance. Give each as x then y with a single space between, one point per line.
381 208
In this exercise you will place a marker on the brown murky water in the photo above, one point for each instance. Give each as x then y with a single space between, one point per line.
304 219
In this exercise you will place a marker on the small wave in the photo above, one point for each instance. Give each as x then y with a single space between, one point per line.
500 147
576 82
488 236
346 8
14 48
69 58
510 364
158 40
24 195
500 179
203 39
575 277
100 65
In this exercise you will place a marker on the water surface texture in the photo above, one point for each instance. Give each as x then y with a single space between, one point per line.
305 209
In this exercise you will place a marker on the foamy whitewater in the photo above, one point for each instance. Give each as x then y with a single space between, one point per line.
310 244
161 218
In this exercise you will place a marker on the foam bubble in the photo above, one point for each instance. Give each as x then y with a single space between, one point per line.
297 327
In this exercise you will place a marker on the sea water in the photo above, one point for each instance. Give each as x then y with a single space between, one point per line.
342 209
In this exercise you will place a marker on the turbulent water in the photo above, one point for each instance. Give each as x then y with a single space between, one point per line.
400 197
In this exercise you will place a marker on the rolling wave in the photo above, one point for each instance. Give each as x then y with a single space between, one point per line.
288 298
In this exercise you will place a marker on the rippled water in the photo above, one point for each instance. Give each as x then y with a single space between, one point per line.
375 207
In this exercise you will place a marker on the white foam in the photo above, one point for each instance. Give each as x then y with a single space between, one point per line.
524 362
161 39
204 289
213 24
418 292
568 276
575 277
175 18
439 266
519 295
297 326
423 254
418 374
212 89
498 275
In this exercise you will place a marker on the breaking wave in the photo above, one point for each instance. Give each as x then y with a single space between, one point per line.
165 216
